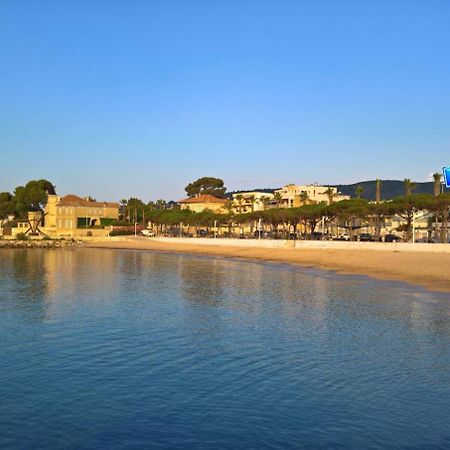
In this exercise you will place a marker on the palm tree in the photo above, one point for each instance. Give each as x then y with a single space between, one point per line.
437 190
437 183
359 191
161 204
239 199
330 194
304 197
229 206
378 190
409 186
253 201
265 200
278 197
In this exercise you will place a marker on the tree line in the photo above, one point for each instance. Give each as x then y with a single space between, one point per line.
351 215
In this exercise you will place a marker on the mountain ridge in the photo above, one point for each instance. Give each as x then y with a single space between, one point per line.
389 189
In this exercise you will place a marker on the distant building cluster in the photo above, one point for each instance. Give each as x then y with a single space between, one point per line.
289 196
75 217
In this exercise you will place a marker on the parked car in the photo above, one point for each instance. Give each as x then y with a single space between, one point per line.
366 237
147 233
391 238
343 237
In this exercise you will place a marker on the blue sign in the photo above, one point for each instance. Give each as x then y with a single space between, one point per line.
446 171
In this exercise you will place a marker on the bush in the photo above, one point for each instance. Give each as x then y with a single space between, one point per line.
46 238
125 232
22 237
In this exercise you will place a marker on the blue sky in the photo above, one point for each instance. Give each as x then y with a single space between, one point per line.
138 98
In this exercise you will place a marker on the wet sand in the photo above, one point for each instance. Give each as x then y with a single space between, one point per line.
430 270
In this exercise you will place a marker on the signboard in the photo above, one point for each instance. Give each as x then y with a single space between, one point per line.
446 171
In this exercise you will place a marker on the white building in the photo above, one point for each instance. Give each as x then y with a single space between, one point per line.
293 196
245 202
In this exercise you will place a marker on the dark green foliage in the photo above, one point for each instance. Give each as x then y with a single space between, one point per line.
206 185
122 231
105 221
7 205
391 189
32 197
408 205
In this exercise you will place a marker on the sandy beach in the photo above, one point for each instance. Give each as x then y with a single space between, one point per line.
428 269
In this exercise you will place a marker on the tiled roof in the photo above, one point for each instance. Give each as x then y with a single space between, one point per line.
74 200
205 198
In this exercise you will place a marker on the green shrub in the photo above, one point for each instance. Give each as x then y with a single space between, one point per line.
125 232
22 237
46 238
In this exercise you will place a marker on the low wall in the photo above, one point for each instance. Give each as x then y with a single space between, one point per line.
309 245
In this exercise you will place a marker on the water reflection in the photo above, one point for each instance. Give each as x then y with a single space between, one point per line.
51 277
178 350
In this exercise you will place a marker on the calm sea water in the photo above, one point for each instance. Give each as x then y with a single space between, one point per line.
128 349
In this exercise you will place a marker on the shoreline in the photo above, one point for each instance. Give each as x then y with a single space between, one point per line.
430 270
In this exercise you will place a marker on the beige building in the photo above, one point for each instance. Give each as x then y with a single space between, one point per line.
293 196
245 202
422 227
71 216
204 202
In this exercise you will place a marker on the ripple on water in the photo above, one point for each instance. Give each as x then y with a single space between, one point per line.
123 349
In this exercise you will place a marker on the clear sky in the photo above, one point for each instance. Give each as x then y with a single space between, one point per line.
138 98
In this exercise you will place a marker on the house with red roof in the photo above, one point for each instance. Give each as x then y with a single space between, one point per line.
72 216
204 202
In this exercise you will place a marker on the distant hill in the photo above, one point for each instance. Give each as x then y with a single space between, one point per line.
389 189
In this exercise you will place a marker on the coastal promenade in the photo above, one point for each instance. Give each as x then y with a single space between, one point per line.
427 265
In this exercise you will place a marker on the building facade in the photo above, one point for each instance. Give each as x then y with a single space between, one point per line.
245 202
204 202
293 196
71 216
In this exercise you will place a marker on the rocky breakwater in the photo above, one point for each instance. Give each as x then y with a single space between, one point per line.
39 243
